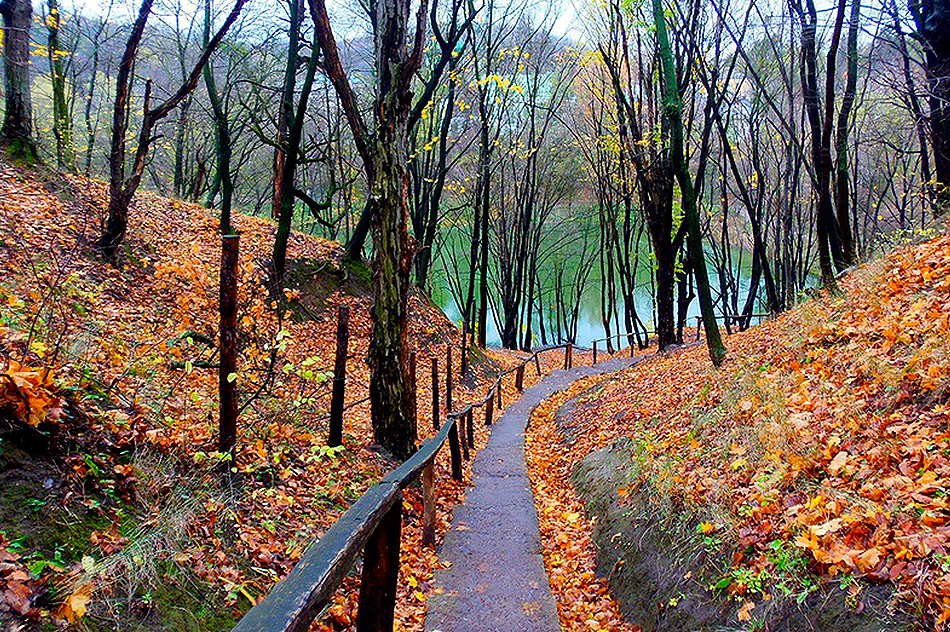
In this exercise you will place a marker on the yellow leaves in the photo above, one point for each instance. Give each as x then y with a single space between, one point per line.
74 606
707 527
738 464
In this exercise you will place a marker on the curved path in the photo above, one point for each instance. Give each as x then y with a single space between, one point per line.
497 581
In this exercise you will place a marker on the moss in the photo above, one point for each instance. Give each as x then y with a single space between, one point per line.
315 281
177 601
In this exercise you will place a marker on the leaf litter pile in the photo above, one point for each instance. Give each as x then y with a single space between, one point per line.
827 431
115 367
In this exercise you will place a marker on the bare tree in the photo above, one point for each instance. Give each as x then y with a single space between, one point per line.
122 188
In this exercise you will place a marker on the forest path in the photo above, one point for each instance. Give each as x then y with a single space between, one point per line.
497 581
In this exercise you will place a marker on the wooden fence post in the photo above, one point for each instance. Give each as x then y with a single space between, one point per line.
463 436
413 393
519 378
335 437
435 393
489 408
448 380
380 572
537 364
570 356
464 349
501 386
454 450
428 505
227 371
595 354
471 429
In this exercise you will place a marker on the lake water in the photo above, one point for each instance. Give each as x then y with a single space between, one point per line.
565 252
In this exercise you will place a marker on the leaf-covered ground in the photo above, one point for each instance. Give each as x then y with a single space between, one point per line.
112 367
827 427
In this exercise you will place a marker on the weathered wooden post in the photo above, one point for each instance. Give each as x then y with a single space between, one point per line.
335 437
448 379
489 408
454 448
435 393
537 364
519 378
380 572
595 354
455 451
501 385
471 429
463 436
428 505
413 394
570 355
227 371
464 350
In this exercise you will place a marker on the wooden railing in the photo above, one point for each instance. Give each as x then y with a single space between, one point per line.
373 524
629 335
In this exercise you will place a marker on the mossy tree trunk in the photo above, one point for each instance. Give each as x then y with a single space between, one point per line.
673 120
17 130
62 122
384 156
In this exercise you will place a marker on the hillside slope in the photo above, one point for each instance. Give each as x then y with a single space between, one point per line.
817 456
109 500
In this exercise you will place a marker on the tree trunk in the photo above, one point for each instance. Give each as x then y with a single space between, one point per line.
119 201
62 125
384 159
222 138
673 117
17 131
842 176
933 26
122 190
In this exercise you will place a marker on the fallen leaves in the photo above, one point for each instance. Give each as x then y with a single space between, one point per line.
828 428
28 393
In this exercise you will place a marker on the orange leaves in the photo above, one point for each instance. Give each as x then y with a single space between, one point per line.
584 601
28 393
828 427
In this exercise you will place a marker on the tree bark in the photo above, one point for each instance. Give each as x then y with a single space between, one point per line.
122 190
62 124
17 130
933 28
384 160
673 118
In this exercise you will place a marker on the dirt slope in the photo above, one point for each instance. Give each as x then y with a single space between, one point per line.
818 454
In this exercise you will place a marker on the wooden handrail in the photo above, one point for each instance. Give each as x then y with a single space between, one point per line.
297 599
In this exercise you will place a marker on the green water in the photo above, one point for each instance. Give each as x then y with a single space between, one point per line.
562 249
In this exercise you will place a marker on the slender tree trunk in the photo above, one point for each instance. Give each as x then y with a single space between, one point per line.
933 24
673 117
122 190
62 124
222 138
842 177
17 130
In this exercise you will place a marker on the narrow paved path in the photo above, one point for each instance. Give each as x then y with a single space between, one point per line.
497 581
